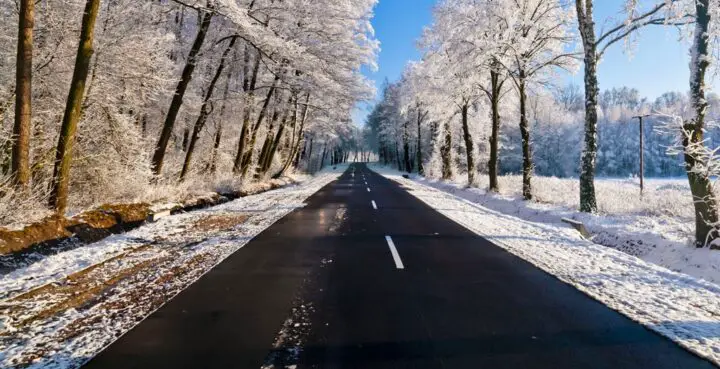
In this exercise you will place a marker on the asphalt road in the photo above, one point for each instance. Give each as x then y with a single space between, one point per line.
367 276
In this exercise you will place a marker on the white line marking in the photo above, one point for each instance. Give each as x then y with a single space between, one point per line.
394 252
368 189
374 204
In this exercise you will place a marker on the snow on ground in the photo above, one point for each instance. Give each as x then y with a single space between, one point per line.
678 306
63 309
657 227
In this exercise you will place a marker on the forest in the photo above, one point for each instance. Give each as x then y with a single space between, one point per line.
487 98
119 101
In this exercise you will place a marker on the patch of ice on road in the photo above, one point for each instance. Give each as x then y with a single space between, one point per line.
678 306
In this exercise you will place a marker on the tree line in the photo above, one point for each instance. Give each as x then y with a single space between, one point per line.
107 97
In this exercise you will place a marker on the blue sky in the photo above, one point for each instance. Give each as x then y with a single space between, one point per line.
659 61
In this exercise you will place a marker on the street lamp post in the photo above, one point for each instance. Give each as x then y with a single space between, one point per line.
642 164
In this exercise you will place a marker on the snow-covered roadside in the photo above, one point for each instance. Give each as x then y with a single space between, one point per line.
678 306
657 228
63 309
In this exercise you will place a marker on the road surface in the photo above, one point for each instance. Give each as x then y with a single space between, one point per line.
367 276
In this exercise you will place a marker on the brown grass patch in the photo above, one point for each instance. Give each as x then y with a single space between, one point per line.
219 222
148 295
76 290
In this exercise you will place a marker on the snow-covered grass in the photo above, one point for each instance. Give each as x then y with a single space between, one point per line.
681 307
657 227
61 310
616 196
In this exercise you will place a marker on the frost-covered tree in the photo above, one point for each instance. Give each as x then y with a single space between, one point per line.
203 90
594 45
699 160
475 33
538 41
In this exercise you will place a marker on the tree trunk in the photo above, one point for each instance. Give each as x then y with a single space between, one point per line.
397 156
525 134
446 152
247 157
706 210
216 147
406 148
63 154
276 142
495 86
205 109
185 138
212 167
20 160
295 147
269 139
177 100
322 158
144 125
308 156
588 202
249 89
468 146
421 170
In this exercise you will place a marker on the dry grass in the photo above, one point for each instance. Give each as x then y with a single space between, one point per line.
219 222
74 291
88 285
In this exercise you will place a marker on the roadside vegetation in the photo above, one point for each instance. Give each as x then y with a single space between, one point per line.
125 101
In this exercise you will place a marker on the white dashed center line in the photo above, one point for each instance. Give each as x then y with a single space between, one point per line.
394 252
374 205
368 189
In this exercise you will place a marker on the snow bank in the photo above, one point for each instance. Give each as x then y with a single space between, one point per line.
678 306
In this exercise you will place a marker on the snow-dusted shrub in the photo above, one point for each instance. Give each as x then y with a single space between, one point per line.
18 208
